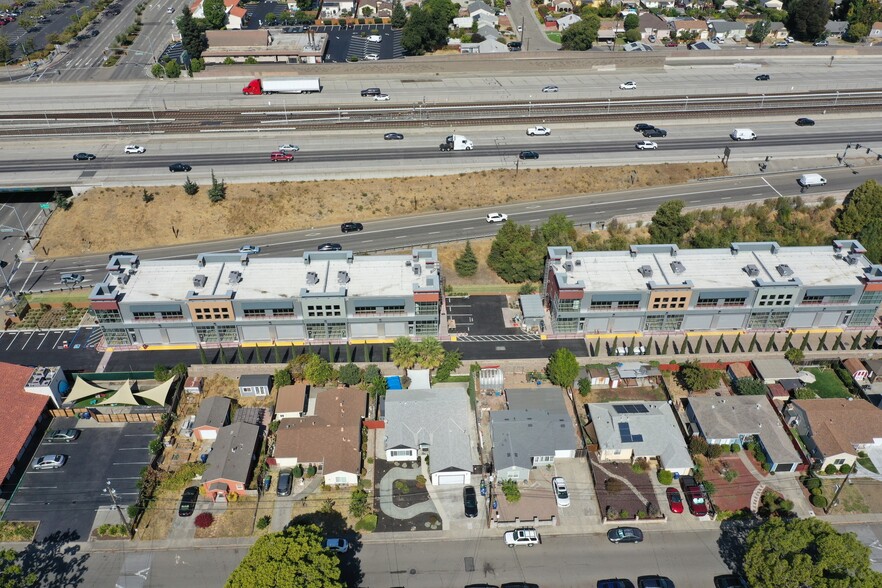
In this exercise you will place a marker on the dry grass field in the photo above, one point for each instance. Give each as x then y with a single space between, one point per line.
110 219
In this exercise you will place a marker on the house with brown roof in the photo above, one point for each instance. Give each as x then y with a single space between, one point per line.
330 439
875 368
234 12
264 46
375 8
291 402
689 25
194 384
856 369
20 419
738 370
835 429
231 461
652 25
213 414
876 30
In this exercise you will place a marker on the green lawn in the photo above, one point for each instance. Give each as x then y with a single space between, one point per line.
553 37
72 296
867 464
828 384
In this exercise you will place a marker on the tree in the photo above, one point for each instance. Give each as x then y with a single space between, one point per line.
871 238
11 573
218 190
698 378
862 204
632 21
466 264
404 353
190 187
669 224
5 49
806 19
172 69
282 377
856 32
192 35
558 230
451 363
794 355
750 387
760 31
350 374
294 558
562 368
214 14
517 254
399 15
317 370
358 505
791 553
430 353
584 386
581 36
633 35
157 71
426 29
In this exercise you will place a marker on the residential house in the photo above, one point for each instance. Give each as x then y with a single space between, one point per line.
291 403
738 370
568 20
876 30
437 424
193 385
213 414
653 25
727 29
856 369
835 429
690 26
21 419
534 431
730 4
628 431
773 370
608 31
255 384
562 5
231 461
329 439
739 419
778 31
485 46
774 4
834 29
481 10
375 8
337 8
235 13
633 374
874 366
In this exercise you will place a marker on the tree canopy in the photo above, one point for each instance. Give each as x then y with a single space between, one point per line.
581 36
399 15
426 29
517 253
669 224
293 558
192 36
807 552
214 13
862 204
562 368
871 238
698 378
632 21
807 19
750 387
466 264
760 31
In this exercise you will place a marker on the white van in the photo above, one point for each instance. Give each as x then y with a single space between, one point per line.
809 180
743 135
375 38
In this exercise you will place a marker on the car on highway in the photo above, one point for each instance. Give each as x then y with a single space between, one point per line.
821 43
640 127
519 585
393 137
625 535
382 98
646 145
528 155
84 156
63 435
629 85
470 502
49 462
286 482
281 156
371 57
805 122
763 78
170 9
655 133
134 149
94 33
615 583
781 44
540 131
550 89
249 249
351 227
179 167
188 501
288 147
561 494
337 545
675 501
371 92
654 582
497 217
329 247
72 279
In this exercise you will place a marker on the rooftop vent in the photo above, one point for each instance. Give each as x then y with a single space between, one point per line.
244 260
568 265
342 277
312 278
645 271
235 277
408 263
852 260
122 279
200 281
578 262
678 267
751 270
417 270
784 270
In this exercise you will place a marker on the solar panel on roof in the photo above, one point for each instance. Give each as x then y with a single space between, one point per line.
626 436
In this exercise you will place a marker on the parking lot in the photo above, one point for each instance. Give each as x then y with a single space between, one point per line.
47 348
346 42
65 500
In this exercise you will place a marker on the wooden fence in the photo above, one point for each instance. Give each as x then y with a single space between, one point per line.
127 417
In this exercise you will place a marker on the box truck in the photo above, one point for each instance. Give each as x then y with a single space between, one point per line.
292 86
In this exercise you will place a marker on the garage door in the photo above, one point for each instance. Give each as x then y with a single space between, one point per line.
460 478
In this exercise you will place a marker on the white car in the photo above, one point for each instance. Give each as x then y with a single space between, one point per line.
561 494
134 149
520 29
497 217
288 147
49 462
647 145
375 38
628 85
550 89
170 9
542 131
249 249
371 57
790 40
381 98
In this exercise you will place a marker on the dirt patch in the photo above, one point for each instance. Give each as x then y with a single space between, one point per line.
157 520
93 224
329 498
237 521
220 385
615 497
860 495
624 394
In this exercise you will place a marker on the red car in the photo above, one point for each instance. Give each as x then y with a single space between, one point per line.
281 156
696 501
675 501
671 44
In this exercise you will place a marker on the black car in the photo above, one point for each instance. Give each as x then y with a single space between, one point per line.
371 92
625 535
393 136
519 585
763 78
119 254
528 155
83 156
655 133
470 501
805 122
94 33
640 127
729 581
286 479
351 227
330 247
176 167
615 583
654 582
188 501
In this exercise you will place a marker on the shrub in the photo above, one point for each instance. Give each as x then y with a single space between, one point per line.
311 471
845 468
819 501
190 187
584 386
665 477
613 485
155 446
766 466
734 448
816 491
624 514
730 475
830 469
263 522
714 451
229 61
709 488
401 486
639 466
421 481
641 514
147 197
204 520
358 504
812 483
698 446
511 491
157 71
298 471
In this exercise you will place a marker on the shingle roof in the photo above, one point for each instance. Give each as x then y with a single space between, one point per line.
548 399
537 423
836 26
740 370
232 453
854 365
20 412
292 398
212 412
837 425
254 380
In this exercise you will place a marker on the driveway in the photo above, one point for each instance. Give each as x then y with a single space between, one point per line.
583 507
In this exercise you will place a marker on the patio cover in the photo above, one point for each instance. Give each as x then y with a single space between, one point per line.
82 390
159 393
121 396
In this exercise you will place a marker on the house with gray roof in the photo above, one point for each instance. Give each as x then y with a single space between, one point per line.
255 384
485 46
723 420
834 29
565 22
231 461
214 413
534 431
628 431
727 29
476 8
779 31
774 370
437 424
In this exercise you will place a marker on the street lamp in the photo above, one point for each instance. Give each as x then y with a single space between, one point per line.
112 493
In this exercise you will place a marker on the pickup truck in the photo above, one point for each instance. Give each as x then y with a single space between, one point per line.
693 495
541 131
525 536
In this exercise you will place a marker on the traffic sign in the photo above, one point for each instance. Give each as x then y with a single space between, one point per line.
45 205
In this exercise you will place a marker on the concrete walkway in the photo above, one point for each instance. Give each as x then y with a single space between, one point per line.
786 483
385 491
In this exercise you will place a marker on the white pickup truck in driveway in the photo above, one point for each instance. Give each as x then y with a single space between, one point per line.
525 536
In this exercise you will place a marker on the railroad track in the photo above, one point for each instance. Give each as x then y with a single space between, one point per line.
421 114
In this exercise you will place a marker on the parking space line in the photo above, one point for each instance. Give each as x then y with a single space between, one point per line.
130 462
13 341
130 449
43 340
60 335
28 340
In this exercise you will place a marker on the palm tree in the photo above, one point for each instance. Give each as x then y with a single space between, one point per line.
403 353
431 353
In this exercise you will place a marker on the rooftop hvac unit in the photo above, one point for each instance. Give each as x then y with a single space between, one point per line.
568 265
578 262
122 279
312 278
201 261
235 277
751 270
342 277
784 270
417 270
678 267
200 281
645 271
408 263
852 260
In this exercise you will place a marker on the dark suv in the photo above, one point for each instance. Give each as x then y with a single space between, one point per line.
179 167
286 478
371 92
655 133
351 227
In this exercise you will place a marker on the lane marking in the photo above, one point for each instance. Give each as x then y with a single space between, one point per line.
771 186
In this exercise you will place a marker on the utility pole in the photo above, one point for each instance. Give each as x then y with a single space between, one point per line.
835 496
112 493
